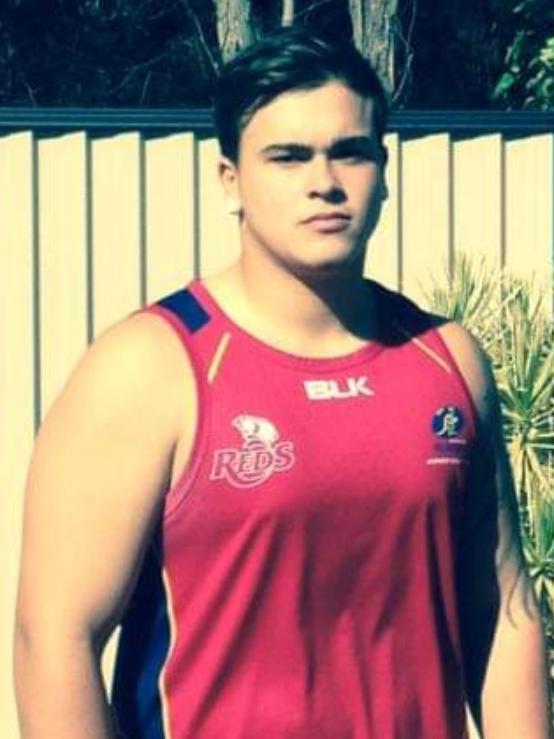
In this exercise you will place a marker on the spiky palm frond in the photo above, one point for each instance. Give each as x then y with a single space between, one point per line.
470 296
538 549
525 377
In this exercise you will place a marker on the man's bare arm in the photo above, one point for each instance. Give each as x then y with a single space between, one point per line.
95 486
505 653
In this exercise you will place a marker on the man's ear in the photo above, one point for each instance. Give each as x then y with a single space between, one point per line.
228 176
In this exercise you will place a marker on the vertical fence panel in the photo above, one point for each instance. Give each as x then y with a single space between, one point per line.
530 208
219 237
17 377
426 212
383 254
117 228
478 207
117 249
62 165
171 228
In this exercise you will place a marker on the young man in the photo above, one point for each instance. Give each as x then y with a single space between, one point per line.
287 482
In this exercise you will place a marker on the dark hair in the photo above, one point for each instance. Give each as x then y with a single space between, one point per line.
290 58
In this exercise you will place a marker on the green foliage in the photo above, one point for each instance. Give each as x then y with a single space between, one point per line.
470 298
154 53
105 52
528 78
147 53
458 52
539 554
525 377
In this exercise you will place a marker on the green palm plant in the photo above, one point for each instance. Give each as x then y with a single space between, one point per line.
538 549
470 296
525 375
539 555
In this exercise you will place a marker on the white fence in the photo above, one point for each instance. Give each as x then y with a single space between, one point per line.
91 228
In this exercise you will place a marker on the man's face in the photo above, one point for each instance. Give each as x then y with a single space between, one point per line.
309 182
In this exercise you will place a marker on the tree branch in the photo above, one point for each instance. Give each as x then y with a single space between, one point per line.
135 69
407 43
312 6
214 66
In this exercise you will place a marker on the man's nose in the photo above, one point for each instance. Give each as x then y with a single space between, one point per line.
323 180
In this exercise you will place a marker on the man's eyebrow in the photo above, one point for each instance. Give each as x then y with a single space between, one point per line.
359 142
286 146
365 143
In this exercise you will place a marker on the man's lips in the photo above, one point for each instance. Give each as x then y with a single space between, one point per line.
328 222
327 217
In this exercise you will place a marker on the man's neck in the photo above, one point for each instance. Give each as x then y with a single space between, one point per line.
327 316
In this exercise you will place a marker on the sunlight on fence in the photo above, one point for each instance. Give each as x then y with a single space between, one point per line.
90 229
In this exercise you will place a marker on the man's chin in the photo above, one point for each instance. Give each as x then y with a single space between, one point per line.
331 268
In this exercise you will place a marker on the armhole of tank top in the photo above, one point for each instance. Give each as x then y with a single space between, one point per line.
177 493
434 329
460 378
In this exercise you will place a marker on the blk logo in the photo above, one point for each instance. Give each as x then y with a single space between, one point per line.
261 455
351 387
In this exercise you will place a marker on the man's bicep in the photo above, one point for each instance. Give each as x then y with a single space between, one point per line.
94 488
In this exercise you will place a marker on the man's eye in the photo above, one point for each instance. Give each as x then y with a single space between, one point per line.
286 158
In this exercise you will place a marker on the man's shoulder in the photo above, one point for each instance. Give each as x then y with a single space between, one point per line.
395 308
141 345
135 366
470 358
473 363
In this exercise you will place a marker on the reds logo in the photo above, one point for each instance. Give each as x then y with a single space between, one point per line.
260 456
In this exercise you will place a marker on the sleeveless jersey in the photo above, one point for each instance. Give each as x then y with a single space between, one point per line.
301 583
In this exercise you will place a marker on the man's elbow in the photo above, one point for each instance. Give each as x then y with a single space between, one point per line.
40 651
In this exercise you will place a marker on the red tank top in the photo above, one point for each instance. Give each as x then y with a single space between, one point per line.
302 580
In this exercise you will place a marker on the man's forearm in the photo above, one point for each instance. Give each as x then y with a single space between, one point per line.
515 697
60 692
